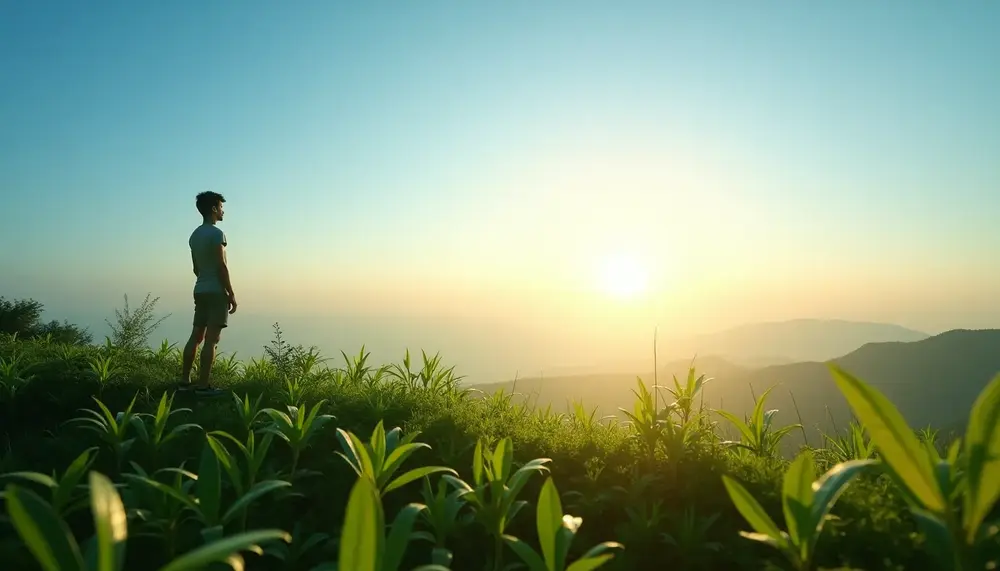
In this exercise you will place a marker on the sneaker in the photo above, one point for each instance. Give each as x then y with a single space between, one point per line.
209 392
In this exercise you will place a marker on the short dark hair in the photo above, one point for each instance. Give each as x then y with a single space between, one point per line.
206 200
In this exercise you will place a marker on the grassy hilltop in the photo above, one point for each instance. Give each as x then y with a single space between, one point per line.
105 467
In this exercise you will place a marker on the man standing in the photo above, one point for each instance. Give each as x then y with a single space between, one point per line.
214 300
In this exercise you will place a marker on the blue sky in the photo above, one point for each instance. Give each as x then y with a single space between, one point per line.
393 161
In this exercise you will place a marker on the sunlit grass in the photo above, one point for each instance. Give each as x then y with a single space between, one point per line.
189 481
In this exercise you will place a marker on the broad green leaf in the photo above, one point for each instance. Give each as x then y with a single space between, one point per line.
361 539
223 550
982 447
109 522
209 485
399 536
797 498
751 510
548 516
503 458
896 442
528 555
43 532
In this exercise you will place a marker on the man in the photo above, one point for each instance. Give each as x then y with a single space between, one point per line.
214 299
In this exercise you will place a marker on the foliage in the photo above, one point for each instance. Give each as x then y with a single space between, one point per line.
182 481
23 317
131 330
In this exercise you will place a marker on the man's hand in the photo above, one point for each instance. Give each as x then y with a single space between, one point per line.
232 304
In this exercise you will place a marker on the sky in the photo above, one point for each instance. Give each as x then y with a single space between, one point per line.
496 181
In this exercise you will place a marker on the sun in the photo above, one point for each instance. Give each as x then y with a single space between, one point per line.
623 276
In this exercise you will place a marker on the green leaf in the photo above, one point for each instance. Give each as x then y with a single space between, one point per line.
416 474
110 523
751 510
590 563
36 477
894 439
982 448
828 488
227 461
361 539
595 557
477 463
503 459
259 489
74 473
797 498
548 516
170 491
396 459
357 455
939 539
43 532
528 555
378 447
209 485
745 431
223 550
399 536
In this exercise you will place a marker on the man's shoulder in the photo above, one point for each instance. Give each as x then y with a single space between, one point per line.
208 231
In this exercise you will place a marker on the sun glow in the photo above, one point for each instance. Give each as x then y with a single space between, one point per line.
623 276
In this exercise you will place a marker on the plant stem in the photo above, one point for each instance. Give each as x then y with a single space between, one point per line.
497 553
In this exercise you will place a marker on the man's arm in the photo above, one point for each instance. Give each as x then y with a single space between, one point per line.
194 263
224 271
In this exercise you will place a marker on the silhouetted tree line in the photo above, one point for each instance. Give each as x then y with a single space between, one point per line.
24 318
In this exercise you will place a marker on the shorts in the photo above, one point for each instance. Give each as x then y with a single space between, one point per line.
211 310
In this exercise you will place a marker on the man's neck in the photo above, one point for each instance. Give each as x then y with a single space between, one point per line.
209 221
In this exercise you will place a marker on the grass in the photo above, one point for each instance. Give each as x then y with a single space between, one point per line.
311 466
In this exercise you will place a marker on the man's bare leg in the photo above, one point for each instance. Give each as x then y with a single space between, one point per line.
190 349
212 335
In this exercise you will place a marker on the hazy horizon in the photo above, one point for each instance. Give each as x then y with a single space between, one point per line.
520 187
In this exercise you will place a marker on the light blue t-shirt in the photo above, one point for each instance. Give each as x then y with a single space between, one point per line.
204 243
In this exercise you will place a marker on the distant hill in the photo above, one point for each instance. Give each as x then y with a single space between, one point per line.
785 342
933 381
606 391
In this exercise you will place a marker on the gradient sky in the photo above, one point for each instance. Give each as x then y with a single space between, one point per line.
451 176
